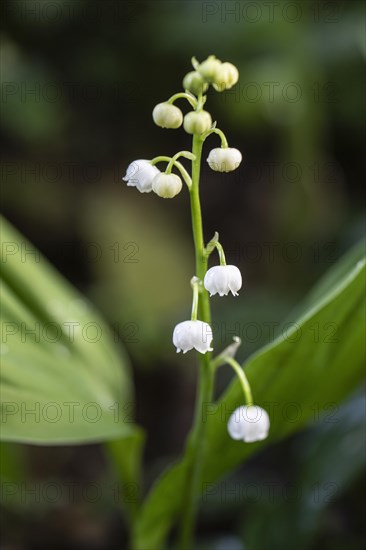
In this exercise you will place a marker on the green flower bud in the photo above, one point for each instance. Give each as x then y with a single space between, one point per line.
209 69
194 83
197 123
167 186
226 77
166 115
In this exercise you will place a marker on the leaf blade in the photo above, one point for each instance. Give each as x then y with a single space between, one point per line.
75 383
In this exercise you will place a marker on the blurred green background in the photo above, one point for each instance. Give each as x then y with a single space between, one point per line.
79 81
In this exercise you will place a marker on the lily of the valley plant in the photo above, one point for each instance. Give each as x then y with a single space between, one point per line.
248 423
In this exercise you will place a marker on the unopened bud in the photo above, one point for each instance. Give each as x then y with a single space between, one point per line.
167 186
227 76
209 69
166 115
193 82
197 122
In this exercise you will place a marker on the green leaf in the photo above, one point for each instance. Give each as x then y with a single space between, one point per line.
319 481
332 277
317 362
62 378
13 463
127 457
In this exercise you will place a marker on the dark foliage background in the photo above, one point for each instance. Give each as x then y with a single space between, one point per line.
80 80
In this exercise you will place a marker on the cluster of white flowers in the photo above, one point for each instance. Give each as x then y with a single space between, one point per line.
146 177
222 76
220 279
248 423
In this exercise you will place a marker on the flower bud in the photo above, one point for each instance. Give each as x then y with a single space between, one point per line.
249 423
197 122
194 83
227 75
224 159
223 279
167 186
140 174
166 115
209 69
192 334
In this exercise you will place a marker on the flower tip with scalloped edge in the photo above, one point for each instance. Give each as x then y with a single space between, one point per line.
249 423
222 279
193 334
140 174
224 159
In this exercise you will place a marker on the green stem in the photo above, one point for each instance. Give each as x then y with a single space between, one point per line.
215 243
224 143
221 252
242 379
197 437
178 165
185 154
189 97
195 282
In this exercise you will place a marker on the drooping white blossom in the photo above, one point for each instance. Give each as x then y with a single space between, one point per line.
192 334
249 423
222 279
140 174
224 159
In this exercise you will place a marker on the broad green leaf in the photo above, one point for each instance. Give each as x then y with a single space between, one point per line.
127 457
62 378
13 474
332 277
316 363
319 481
13 463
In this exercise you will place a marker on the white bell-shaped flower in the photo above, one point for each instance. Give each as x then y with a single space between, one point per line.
249 423
192 334
167 186
223 279
140 174
224 159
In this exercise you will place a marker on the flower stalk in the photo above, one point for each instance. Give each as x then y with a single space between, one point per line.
204 395
248 423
